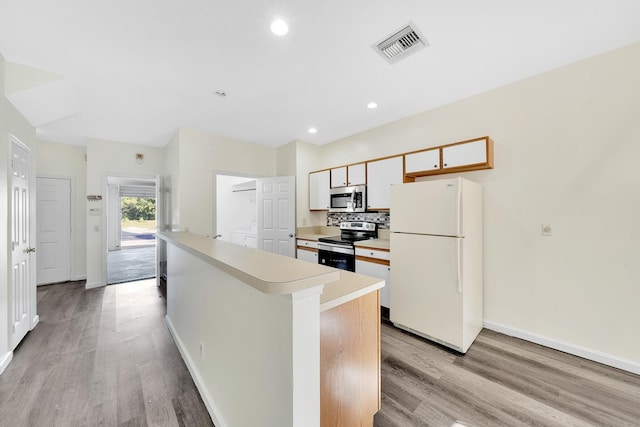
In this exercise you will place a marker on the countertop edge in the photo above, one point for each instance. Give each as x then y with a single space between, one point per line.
335 302
265 286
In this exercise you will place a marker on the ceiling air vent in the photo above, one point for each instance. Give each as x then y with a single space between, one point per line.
401 44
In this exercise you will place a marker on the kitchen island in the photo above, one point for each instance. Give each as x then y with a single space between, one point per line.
271 340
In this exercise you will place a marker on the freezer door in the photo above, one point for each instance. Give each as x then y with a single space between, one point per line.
425 294
430 207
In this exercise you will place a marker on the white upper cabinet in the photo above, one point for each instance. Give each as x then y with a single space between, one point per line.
339 177
319 191
468 153
357 174
381 174
422 161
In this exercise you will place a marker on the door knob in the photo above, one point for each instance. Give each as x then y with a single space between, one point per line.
29 250
291 235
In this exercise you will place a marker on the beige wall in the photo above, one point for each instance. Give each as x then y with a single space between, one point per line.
68 161
172 183
11 122
109 158
297 158
200 156
567 146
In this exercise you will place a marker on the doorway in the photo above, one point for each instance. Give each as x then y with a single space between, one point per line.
257 213
131 229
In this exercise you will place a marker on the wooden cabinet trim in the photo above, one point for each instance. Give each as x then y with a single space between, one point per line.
373 248
307 248
372 260
489 164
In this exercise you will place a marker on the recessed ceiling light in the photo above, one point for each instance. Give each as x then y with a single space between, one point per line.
279 27
313 130
372 105
221 93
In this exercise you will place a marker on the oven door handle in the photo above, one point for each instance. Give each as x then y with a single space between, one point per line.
330 247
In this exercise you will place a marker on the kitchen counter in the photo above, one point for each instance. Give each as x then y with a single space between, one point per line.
265 271
373 244
275 274
253 326
313 237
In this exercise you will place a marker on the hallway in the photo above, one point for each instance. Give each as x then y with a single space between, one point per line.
99 357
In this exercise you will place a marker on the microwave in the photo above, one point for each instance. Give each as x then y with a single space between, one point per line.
348 199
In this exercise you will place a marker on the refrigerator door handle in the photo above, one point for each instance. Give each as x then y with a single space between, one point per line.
459 207
459 260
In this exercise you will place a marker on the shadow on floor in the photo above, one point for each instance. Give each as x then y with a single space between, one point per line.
131 263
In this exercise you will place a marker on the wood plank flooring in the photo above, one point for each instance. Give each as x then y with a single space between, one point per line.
501 381
104 357
100 357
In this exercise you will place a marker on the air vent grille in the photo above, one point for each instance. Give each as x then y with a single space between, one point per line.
403 42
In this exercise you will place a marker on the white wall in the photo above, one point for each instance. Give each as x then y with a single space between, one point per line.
11 122
200 156
68 161
172 183
297 158
111 158
567 147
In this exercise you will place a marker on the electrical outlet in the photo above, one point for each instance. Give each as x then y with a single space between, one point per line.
201 350
547 230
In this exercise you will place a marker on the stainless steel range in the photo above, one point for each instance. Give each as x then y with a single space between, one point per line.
339 251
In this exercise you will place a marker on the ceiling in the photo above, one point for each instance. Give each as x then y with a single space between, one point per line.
137 71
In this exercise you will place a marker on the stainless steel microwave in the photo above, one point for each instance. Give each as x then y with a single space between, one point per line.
348 199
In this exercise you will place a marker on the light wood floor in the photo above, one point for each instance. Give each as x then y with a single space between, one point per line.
501 381
104 357
100 357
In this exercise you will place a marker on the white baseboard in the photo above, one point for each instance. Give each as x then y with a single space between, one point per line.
94 285
596 356
4 360
79 277
35 321
216 417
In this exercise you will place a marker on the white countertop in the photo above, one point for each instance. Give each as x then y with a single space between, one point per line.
373 244
275 274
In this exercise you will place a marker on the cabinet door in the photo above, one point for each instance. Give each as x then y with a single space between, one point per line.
423 161
251 241
469 153
381 272
310 256
357 174
319 191
339 177
381 174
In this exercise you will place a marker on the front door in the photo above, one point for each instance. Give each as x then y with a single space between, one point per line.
22 281
276 200
53 230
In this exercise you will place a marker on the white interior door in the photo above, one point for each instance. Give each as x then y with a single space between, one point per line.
22 282
276 200
53 230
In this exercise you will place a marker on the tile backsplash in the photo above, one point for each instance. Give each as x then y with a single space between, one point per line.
381 218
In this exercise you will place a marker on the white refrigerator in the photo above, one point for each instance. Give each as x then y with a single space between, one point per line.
436 260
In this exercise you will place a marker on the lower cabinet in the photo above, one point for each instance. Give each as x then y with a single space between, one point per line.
368 263
307 254
242 238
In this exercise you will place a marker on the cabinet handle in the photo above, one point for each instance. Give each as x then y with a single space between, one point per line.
436 166
445 164
371 253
